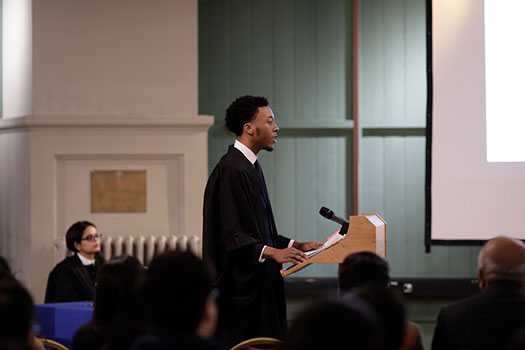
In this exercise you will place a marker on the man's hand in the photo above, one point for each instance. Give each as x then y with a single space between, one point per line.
282 256
307 246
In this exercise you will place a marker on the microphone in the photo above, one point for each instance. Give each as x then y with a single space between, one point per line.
330 215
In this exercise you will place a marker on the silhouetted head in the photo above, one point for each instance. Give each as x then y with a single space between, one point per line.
389 307
502 258
16 315
177 294
351 324
363 268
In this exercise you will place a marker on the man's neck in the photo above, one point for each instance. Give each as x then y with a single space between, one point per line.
247 152
246 141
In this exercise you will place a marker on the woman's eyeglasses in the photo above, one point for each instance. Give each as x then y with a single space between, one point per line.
92 237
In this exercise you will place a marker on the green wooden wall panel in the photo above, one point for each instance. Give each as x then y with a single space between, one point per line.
392 164
393 69
283 187
330 39
371 179
394 203
305 43
283 60
393 59
306 180
329 174
262 49
371 69
415 60
392 184
219 59
290 51
241 59
414 180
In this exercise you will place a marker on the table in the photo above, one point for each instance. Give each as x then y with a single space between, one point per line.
60 321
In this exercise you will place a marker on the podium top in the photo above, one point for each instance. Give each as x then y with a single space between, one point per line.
366 232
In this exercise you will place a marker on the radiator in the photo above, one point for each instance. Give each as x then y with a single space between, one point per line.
143 248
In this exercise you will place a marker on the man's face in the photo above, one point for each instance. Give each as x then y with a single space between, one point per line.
265 129
90 243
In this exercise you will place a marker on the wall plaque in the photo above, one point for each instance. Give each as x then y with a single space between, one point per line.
118 191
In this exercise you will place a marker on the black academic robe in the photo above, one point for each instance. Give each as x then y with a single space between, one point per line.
71 281
238 222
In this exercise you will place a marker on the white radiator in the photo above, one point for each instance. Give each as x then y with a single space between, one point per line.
143 248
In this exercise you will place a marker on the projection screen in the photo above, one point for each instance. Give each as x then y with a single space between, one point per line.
476 124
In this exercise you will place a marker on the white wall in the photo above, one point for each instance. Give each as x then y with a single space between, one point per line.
14 202
117 57
17 58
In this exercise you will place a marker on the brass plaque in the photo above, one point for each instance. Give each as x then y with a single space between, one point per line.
118 191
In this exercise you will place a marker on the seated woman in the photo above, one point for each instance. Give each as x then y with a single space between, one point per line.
118 317
73 279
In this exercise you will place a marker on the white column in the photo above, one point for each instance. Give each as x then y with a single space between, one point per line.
17 58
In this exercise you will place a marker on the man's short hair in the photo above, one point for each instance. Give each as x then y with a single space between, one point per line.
333 324
74 234
242 111
363 268
16 315
175 292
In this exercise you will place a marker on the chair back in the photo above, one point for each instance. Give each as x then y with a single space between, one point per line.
51 344
251 344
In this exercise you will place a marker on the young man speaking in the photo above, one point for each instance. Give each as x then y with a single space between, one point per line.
240 238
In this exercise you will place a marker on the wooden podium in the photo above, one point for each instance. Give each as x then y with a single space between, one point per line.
366 233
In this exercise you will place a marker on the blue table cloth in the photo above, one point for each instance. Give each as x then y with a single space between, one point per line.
60 321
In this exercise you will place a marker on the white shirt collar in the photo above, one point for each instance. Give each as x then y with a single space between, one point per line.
248 153
85 261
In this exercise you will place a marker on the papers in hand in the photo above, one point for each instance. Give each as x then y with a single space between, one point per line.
333 239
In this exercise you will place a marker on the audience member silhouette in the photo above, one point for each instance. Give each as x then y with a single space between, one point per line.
73 279
389 307
369 274
180 304
333 324
15 296
16 316
517 341
118 318
5 270
489 319
363 268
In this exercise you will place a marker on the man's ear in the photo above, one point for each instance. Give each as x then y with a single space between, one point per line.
77 245
481 279
249 129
